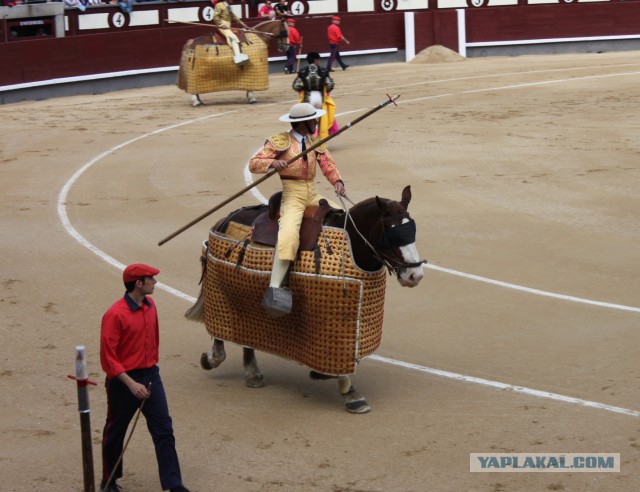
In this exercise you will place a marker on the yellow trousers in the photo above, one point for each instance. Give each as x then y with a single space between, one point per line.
231 38
297 195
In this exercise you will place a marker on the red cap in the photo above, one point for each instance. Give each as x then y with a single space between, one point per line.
335 17
138 271
291 21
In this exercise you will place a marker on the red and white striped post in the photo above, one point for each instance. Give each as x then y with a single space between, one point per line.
82 380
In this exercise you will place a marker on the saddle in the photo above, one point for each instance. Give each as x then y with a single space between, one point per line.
265 227
216 37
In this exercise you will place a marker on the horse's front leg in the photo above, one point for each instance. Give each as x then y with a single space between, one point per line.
215 356
251 98
253 375
354 401
196 101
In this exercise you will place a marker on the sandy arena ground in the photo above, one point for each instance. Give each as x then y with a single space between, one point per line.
523 170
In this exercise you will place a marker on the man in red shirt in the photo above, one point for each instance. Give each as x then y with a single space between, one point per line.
295 40
129 340
267 10
335 36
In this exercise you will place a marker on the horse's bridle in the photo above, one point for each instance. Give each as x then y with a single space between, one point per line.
392 236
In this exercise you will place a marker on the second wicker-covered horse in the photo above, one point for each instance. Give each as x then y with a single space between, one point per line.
206 63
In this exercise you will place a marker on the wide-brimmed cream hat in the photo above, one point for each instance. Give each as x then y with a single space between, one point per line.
302 112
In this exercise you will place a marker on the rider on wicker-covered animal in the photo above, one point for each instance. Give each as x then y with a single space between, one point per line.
298 191
223 16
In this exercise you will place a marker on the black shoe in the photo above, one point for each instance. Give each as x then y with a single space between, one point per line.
345 67
331 70
179 488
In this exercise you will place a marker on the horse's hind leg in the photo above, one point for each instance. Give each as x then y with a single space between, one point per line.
215 356
196 101
354 401
253 375
251 98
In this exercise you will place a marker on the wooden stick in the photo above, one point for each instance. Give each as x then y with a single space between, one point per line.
299 53
272 172
113 472
216 27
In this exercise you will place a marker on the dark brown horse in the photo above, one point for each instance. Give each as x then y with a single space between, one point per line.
382 234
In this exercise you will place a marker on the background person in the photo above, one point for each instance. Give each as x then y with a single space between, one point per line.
267 11
334 33
282 10
129 341
295 40
314 83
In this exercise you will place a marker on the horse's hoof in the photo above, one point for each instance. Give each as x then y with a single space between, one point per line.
208 361
195 104
355 402
255 381
358 407
252 100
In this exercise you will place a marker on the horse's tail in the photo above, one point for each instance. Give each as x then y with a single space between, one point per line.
196 312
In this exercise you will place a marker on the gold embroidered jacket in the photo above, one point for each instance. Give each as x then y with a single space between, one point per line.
223 16
284 146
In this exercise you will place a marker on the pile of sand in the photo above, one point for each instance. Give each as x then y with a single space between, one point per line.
437 54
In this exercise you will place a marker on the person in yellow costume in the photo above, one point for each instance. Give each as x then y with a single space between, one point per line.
298 191
314 83
223 16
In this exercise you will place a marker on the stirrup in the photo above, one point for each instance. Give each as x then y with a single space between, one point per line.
240 59
277 302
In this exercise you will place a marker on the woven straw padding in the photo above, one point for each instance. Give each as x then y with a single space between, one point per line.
210 68
327 330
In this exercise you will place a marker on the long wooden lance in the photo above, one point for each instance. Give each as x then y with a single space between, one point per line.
389 100
299 53
210 26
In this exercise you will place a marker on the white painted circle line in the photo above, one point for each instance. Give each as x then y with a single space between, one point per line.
66 223
533 291
504 386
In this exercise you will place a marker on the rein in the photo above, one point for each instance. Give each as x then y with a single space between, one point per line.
392 264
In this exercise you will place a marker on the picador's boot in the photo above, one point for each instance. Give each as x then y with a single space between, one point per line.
277 301
238 57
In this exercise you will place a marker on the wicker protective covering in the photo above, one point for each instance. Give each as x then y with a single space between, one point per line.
210 68
328 331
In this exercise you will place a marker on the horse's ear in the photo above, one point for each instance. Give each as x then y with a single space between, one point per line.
381 205
406 197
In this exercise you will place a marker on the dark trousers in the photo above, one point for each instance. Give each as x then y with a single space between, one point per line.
121 407
291 58
335 55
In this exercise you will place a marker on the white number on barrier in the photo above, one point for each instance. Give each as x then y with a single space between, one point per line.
118 19
297 8
207 13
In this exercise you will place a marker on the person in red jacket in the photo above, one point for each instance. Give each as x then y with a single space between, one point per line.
295 40
129 341
335 36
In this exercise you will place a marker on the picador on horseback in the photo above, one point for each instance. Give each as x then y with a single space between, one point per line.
223 16
298 191
319 271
